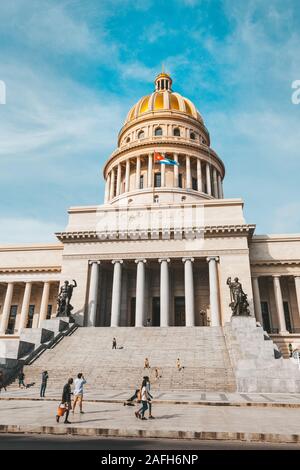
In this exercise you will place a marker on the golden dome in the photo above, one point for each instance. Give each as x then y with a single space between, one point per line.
163 99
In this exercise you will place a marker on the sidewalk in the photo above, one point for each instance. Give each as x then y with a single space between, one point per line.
269 424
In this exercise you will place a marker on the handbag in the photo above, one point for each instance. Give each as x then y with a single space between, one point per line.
61 409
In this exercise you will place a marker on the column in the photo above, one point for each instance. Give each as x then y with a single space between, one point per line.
208 180
215 182
25 306
138 172
127 176
118 188
44 302
150 170
199 176
189 292
140 292
163 174
107 186
213 291
6 307
164 292
112 184
297 286
279 305
176 172
220 190
93 293
256 299
188 172
116 293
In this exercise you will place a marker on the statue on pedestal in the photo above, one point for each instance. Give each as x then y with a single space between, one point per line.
63 300
239 303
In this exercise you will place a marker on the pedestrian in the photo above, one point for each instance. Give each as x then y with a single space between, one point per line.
45 377
290 349
21 378
150 397
114 343
66 401
78 391
2 381
178 365
146 363
148 322
141 412
156 372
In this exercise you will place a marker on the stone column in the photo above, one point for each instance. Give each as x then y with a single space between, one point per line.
118 188
220 187
93 293
127 176
279 305
140 292
6 307
138 172
215 183
107 186
214 291
297 286
44 302
150 171
199 176
256 299
164 292
25 306
116 293
176 172
208 180
189 292
188 172
112 184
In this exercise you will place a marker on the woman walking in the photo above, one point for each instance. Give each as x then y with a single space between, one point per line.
145 398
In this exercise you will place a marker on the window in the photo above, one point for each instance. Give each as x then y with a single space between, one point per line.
156 199
266 316
176 132
49 312
141 181
141 135
127 140
157 180
158 131
192 136
194 184
180 180
30 316
12 320
287 316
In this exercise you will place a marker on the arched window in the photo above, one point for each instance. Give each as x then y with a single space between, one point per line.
141 135
158 131
176 132
127 140
192 136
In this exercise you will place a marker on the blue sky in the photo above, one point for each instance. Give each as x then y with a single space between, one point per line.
74 68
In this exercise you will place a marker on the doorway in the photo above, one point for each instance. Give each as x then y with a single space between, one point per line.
12 320
179 310
155 311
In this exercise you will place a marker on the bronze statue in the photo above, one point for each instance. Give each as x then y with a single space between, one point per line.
63 300
239 303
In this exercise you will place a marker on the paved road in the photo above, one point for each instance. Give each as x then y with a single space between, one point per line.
37 442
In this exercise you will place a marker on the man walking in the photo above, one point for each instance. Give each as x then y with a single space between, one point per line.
148 386
114 343
21 378
66 400
45 377
78 392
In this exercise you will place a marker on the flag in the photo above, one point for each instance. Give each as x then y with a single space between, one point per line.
158 158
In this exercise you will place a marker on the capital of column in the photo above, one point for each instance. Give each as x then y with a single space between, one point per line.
140 261
164 259
117 261
94 261
212 258
188 259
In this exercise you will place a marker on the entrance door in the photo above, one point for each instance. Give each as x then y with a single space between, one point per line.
265 316
179 309
156 311
132 311
12 320
30 316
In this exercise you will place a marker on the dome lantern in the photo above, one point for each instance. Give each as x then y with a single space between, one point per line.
163 82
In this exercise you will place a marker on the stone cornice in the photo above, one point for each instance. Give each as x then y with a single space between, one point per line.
293 237
30 269
274 262
187 232
42 247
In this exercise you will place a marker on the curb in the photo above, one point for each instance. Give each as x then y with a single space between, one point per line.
171 402
141 433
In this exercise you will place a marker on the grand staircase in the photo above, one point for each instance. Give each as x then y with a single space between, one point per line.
202 352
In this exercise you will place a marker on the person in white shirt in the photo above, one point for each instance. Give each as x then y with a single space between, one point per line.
144 392
78 391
